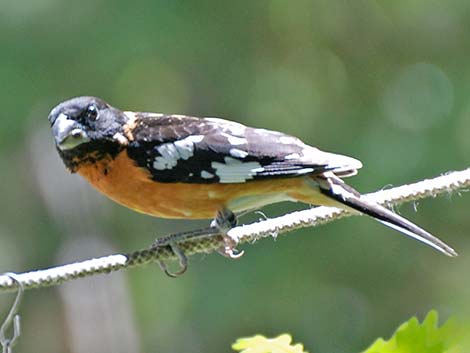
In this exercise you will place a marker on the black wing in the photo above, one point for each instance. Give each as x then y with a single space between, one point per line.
186 149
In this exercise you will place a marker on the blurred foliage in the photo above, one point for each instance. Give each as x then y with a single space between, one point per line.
261 344
410 337
385 82
427 337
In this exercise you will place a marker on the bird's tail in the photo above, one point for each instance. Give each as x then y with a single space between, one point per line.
336 189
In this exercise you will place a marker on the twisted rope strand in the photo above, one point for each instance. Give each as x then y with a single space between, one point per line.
450 182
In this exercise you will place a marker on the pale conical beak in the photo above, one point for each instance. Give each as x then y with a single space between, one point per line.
68 133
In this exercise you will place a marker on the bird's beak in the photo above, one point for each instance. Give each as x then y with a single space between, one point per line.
68 133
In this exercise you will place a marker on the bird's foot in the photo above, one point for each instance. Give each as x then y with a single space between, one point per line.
171 242
224 221
182 258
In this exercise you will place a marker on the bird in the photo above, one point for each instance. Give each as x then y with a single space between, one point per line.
185 167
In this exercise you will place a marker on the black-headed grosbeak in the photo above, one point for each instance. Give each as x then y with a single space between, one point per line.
176 166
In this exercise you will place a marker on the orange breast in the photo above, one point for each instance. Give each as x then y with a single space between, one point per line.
121 180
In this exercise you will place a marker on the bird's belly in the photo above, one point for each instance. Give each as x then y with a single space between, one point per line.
256 201
131 186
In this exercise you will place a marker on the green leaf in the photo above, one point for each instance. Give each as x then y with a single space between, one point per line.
261 344
427 337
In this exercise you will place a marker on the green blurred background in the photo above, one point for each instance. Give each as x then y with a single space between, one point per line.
384 81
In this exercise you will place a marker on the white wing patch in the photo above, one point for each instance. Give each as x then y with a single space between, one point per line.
233 140
290 140
343 163
206 175
236 171
292 156
169 157
233 127
173 151
337 162
235 152
268 132
185 147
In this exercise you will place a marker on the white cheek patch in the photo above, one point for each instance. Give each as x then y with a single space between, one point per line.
174 151
235 171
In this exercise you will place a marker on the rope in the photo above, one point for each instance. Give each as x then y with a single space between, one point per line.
447 183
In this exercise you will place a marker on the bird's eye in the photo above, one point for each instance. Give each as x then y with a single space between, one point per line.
91 112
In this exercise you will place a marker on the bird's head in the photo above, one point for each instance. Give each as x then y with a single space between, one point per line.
87 129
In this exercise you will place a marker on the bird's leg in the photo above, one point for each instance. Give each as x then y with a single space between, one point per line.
184 236
224 221
173 239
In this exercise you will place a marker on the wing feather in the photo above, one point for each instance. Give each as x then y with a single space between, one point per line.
175 148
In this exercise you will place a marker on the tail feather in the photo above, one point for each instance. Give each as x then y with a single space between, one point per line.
349 197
